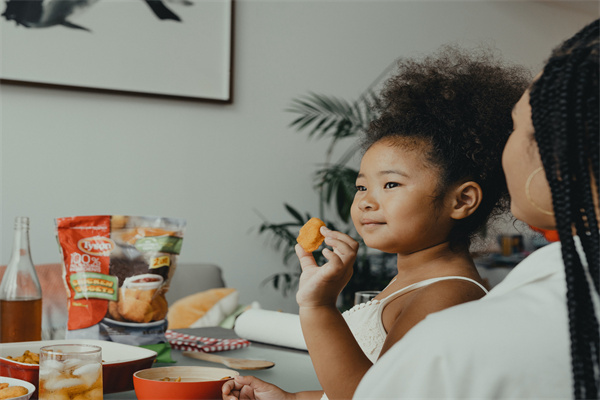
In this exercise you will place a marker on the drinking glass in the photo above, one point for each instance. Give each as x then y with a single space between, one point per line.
365 295
69 371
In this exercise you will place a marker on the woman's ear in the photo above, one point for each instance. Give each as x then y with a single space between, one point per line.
465 200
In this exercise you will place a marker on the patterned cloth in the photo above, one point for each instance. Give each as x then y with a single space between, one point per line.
185 342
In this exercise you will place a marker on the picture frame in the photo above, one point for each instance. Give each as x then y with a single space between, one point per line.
179 49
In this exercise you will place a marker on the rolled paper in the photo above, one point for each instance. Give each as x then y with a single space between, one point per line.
271 327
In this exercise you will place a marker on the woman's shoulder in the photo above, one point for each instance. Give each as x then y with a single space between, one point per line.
536 268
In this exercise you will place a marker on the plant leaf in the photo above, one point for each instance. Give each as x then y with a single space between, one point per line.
327 117
294 213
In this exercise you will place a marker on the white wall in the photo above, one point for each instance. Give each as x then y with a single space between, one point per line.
75 153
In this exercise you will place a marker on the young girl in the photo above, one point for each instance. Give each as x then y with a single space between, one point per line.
428 181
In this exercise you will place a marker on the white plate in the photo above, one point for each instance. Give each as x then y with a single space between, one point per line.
18 382
134 324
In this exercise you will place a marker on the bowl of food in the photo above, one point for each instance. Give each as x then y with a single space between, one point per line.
185 383
20 360
15 389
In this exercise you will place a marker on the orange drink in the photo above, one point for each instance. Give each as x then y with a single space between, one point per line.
70 372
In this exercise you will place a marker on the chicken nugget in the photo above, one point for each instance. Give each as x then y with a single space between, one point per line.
144 295
113 311
133 309
310 237
160 307
3 385
12 391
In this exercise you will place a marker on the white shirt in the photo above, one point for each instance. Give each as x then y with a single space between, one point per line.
513 343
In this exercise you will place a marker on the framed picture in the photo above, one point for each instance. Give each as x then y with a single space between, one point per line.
168 48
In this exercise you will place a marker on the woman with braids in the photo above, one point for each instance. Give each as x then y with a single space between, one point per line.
535 335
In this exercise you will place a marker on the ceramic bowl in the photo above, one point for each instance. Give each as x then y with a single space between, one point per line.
18 382
196 383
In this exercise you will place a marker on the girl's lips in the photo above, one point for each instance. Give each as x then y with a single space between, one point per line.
368 222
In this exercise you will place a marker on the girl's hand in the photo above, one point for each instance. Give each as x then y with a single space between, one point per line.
321 286
251 388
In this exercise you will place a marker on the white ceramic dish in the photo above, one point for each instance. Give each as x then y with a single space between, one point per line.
18 382
143 282
138 325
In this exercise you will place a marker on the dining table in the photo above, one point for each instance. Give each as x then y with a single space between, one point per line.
293 370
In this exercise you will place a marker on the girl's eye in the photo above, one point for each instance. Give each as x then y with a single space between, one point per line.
391 185
360 188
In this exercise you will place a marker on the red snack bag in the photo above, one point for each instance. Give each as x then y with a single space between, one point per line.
117 270
86 248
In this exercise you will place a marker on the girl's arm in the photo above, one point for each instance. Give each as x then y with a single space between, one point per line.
336 356
250 387
339 361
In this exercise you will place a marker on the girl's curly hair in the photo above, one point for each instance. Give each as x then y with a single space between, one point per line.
458 103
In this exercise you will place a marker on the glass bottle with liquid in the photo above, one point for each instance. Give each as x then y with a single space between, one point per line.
20 292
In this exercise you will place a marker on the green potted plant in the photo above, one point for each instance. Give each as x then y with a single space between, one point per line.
329 118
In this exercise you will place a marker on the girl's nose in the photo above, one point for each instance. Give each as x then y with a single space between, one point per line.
367 202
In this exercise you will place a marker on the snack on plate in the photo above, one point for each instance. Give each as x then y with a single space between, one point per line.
117 270
10 392
28 357
310 237
167 379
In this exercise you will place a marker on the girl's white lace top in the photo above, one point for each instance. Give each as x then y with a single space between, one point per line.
364 319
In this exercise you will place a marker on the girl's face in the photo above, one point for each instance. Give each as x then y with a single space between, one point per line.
530 196
395 209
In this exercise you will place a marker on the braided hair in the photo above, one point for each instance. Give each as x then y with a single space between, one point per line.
564 102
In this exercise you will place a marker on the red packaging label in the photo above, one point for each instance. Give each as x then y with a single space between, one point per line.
86 248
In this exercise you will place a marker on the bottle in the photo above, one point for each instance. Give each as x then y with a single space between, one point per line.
20 292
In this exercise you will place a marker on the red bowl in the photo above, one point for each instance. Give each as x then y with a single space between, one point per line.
119 362
197 383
